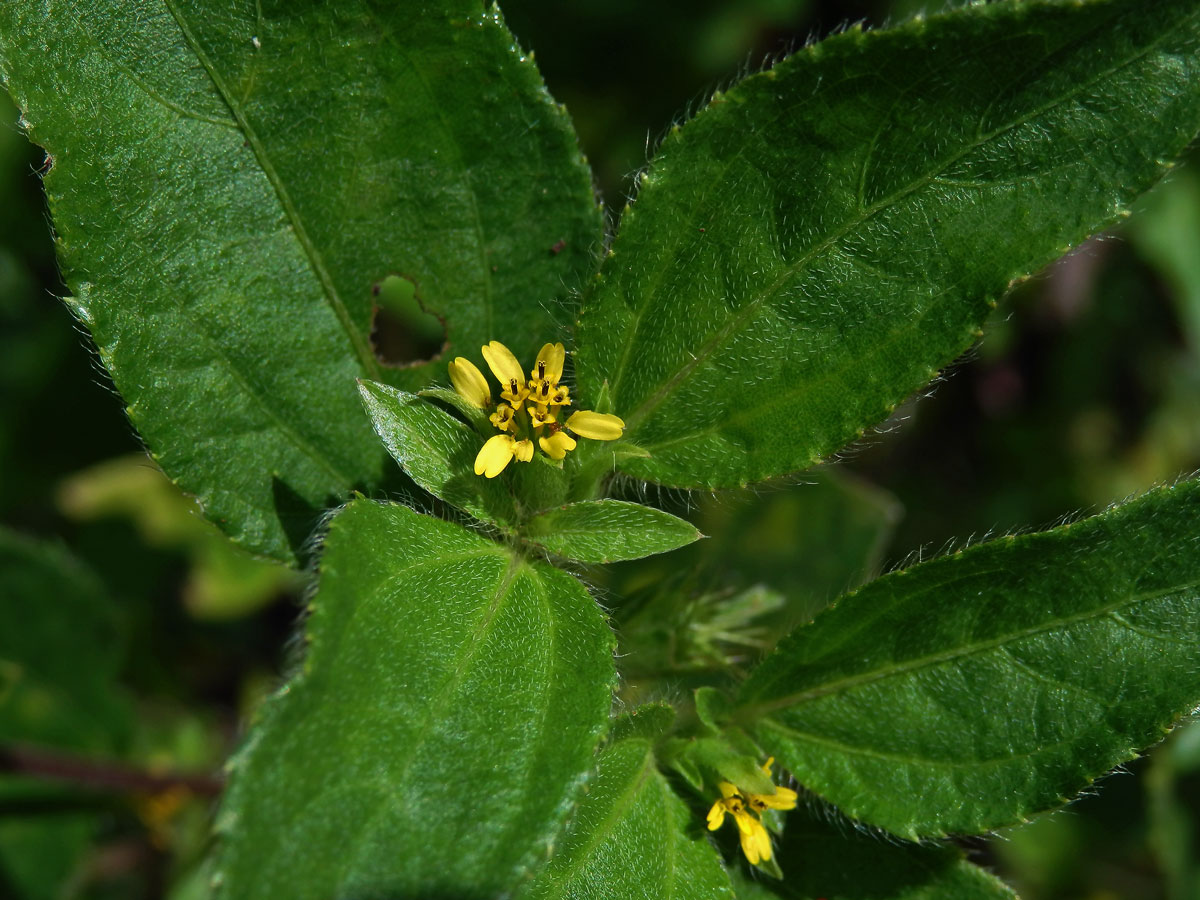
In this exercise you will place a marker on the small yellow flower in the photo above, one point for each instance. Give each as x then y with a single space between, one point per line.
746 808
756 842
530 408
502 418
542 416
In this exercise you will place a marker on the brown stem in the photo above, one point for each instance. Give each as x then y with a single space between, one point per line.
101 774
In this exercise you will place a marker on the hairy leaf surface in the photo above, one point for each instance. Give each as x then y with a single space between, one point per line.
826 235
228 182
437 451
603 531
631 837
972 691
448 707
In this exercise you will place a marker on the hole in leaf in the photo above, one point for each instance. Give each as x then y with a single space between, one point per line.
403 332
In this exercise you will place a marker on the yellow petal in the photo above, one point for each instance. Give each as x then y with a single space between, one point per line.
494 455
523 450
745 821
594 425
503 364
756 843
556 445
783 798
549 363
716 816
727 790
470 383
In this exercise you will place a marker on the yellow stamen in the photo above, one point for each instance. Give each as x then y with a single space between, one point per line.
597 426
470 383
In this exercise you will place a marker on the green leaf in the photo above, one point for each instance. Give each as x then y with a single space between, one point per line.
448 707
603 531
631 837
437 451
972 691
826 235
833 861
61 643
228 184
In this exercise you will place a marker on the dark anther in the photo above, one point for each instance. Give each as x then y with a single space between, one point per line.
541 369
512 386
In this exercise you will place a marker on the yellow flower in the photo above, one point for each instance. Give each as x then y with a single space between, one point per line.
746 808
530 408
541 416
502 418
756 842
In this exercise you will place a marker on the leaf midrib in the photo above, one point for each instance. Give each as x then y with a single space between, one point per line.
749 713
362 350
605 827
791 271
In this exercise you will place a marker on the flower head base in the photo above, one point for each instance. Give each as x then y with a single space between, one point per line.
746 808
529 409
